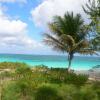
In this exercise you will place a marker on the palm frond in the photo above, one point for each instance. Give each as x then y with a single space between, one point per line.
87 51
96 43
54 29
60 23
54 42
68 39
91 8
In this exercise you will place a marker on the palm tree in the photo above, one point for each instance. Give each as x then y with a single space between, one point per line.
68 34
92 8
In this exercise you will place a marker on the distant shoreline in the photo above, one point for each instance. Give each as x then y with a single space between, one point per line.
65 55
78 63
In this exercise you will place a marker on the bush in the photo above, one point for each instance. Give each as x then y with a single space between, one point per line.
96 87
78 80
23 71
10 92
69 92
81 80
6 75
87 93
19 90
10 65
55 76
47 93
59 76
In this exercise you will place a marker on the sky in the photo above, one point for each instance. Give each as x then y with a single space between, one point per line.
23 22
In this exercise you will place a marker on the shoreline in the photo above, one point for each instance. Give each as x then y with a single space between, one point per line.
32 65
54 61
93 73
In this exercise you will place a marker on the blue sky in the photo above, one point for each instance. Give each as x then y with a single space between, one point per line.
22 23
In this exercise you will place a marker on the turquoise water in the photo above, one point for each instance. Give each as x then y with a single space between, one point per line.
52 61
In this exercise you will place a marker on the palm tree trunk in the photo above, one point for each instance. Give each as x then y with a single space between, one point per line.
70 57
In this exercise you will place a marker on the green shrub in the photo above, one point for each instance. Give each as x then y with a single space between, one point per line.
10 92
6 75
96 87
81 80
10 65
22 69
19 90
47 93
78 80
59 76
88 93
69 92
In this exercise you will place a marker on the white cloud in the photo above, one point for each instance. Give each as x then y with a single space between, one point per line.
44 12
13 34
13 1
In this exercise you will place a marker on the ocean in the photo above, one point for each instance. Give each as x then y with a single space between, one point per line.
78 63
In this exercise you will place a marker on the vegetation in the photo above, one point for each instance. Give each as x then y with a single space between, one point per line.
47 93
46 84
68 34
10 65
92 9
